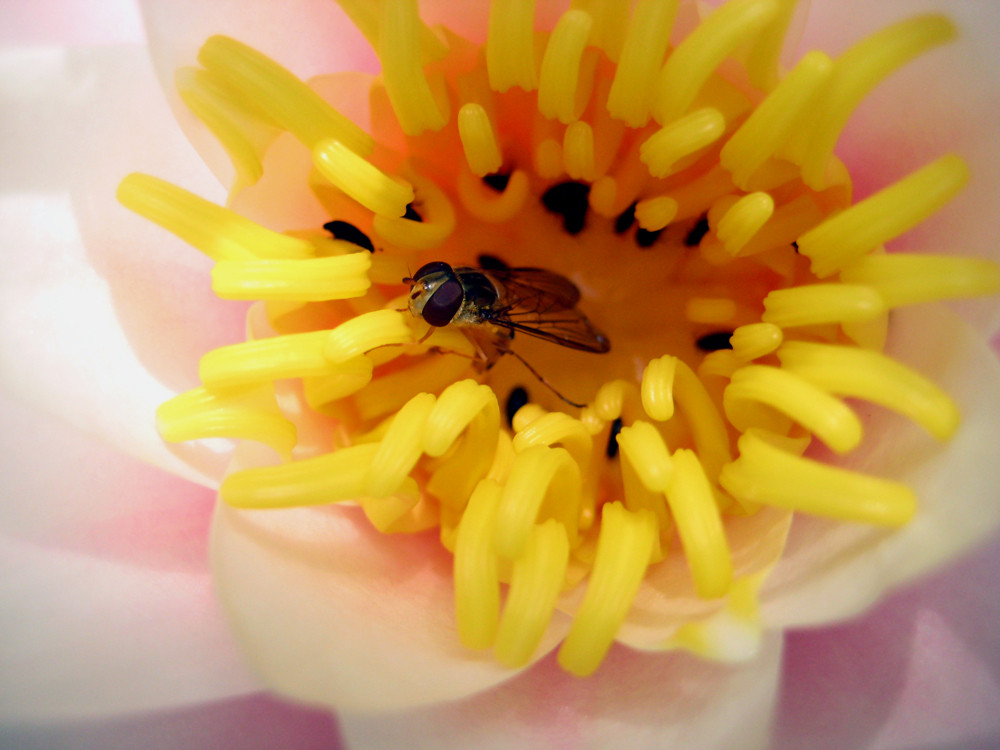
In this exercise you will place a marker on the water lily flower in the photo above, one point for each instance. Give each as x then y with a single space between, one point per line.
669 534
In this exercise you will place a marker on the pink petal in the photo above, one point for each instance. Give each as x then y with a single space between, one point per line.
103 315
919 671
635 701
87 637
106 600
831 571
330 611
253 722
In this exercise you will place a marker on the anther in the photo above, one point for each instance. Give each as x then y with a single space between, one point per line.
497 181
645 238
611 451
697 233
342 230
715 341
517 398
569 200
625 219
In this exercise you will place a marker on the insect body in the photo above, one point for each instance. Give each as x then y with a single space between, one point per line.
492 305
533 301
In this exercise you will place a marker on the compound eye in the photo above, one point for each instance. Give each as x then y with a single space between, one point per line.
443 303
433 267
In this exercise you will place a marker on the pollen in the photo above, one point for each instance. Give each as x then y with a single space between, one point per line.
680 194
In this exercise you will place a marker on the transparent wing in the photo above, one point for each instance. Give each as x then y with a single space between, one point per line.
542 304
536 288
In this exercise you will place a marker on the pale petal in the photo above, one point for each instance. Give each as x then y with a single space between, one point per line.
331 611
634 702
105 599
85 636
253 722
95 300
71 22
831 571
920 671
948 100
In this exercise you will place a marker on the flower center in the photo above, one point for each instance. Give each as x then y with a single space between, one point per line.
662 169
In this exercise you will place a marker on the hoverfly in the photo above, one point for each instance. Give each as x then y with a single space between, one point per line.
491 305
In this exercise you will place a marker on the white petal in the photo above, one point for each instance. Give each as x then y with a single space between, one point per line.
831 571
947 100
85 636
634 702
102 315
919 671
330 611
80 22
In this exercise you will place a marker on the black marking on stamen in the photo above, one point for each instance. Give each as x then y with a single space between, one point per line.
625 220
342 230
497 181
491 262
569 200
411 213
517 398
612 448
697 233
713 342
645 238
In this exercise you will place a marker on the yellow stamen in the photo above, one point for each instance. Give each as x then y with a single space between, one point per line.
510 45
766 474
816 304
755 340
642 55
242 414
856 72
330 478
578 151
664 149
776 118
624 549
885 215
559 82
218 232
816 410
704 49
874 377
542 481
364 333
911 279
657 388
743 220
478 140
362 180
654 214
413 100
477 584
535 582
337 277
288 101
699 526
